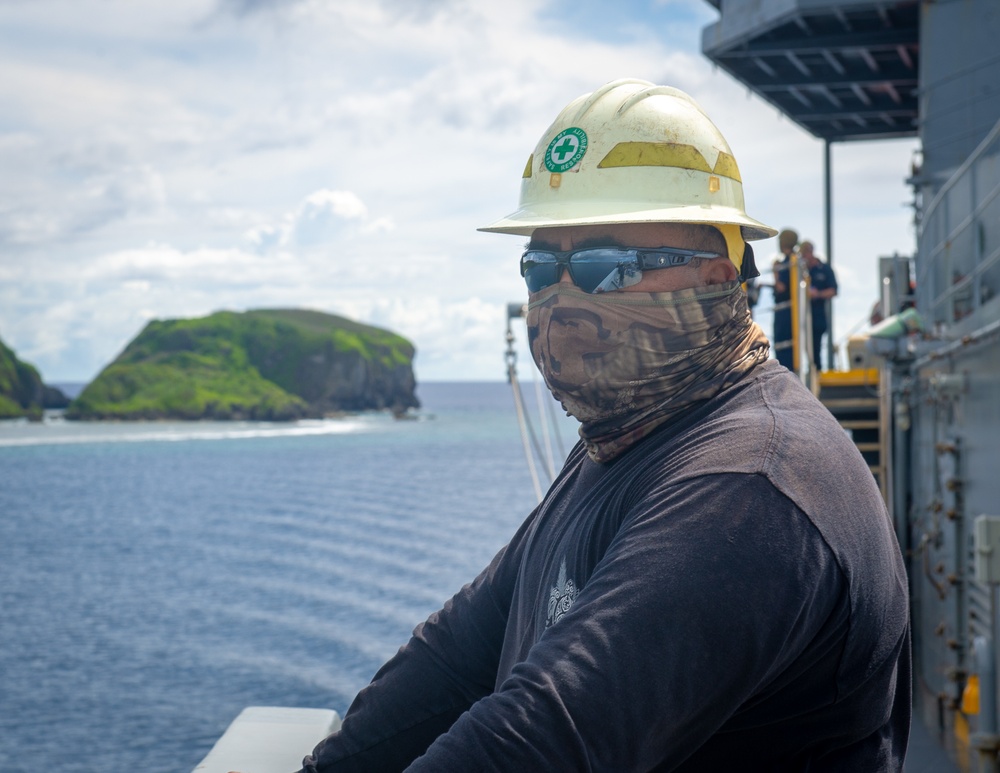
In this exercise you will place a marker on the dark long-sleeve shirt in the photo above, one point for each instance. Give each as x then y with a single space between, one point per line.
726 595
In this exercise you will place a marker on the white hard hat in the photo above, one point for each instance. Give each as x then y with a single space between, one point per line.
631 152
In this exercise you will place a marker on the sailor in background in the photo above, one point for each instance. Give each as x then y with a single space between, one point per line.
822 289
712 582
781 267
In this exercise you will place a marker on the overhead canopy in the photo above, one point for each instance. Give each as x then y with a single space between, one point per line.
841 69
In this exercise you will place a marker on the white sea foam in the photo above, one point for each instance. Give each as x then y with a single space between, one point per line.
59 432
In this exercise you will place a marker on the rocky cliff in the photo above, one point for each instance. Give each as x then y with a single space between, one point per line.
22 392
273 364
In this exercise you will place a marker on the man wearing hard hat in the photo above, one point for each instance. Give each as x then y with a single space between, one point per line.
712 582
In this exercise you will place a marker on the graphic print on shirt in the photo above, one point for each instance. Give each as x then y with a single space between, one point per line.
561 597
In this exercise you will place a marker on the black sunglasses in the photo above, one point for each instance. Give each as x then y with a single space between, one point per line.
601 269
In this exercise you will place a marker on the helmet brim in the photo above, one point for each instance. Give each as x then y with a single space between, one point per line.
526 221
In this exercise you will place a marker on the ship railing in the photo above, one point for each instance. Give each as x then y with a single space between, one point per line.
958 266
269 739
800 315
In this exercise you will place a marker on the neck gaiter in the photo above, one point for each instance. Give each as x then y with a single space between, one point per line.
625 363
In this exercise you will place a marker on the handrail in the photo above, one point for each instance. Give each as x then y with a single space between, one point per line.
955 267
953 180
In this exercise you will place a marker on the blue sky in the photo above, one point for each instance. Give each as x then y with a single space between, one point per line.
172 159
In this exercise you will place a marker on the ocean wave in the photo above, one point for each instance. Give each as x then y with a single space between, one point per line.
67 433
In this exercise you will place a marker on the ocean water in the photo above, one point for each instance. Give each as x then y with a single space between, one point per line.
157 578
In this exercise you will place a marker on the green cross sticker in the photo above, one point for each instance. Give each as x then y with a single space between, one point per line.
566 149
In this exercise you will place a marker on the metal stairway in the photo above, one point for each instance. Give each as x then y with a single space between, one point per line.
853 398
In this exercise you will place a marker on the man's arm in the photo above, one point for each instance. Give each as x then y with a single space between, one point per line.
697 605
826 288
448 664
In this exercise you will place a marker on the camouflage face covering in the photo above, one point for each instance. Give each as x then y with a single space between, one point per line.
625 363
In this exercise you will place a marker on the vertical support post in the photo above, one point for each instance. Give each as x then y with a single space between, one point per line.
986 656
802 359
985 741
986 668
828 225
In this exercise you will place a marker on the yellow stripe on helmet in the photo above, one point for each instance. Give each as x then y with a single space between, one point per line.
675 154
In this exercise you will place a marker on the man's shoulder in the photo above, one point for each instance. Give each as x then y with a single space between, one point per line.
814 462
776 427
732 432
823 271
772 400
805 435
767 424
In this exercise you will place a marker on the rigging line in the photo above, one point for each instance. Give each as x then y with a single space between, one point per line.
554 421
546 438
529 425
521 424
524 423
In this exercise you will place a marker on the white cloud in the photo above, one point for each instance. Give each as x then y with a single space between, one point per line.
340 203
322 218
319 219
167 160
378 225
266 237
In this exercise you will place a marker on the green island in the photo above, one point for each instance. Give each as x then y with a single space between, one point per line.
269 364
22 393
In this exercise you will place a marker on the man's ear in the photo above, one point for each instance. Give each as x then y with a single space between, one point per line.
718 271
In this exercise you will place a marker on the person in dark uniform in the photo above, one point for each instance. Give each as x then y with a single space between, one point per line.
822 288
782 340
